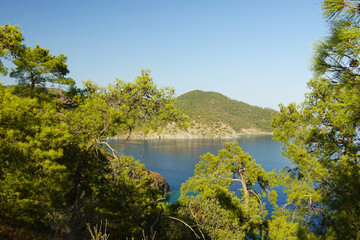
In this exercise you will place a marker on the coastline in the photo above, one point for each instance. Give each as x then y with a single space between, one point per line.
190 135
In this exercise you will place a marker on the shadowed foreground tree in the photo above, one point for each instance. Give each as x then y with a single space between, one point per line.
122 107
55 176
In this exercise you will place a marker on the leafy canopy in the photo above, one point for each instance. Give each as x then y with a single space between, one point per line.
36 67
55 173
322 135
210 194
10 44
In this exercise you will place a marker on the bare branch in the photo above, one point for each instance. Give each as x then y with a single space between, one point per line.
155 222
183 222
113 150
92 142
197 223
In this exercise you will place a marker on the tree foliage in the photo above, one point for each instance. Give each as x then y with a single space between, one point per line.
31 140
210 195
37 67
55 173
322 135
10 44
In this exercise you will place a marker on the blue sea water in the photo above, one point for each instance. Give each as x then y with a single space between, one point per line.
176 159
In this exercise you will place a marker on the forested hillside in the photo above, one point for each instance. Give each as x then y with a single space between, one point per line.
213 107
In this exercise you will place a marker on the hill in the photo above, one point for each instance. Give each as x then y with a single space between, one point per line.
213 115
212 107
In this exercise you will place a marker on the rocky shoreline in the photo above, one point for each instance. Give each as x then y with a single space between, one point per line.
154 136
196 131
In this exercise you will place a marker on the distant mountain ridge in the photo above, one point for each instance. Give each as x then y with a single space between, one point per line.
213 107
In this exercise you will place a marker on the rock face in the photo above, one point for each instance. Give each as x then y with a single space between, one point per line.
195 131
158 181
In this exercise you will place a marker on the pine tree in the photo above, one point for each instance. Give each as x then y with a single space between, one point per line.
322 135
209 200
10 44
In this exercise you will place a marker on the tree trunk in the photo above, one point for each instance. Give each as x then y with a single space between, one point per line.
246 191
32 86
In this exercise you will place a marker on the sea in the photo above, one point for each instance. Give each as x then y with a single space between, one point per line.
175 159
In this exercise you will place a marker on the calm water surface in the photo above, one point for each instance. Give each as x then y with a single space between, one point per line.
176 159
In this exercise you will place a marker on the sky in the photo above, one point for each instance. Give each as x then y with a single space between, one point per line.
258 51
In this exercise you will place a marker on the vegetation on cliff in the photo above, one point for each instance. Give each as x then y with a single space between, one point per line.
212 108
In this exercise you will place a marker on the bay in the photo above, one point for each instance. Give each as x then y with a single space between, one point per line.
175 159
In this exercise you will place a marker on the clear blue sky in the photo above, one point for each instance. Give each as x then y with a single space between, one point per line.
255 51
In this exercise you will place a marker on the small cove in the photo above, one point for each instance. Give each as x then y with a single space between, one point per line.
175 159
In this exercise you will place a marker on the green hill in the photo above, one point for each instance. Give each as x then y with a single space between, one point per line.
213 115
214 108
